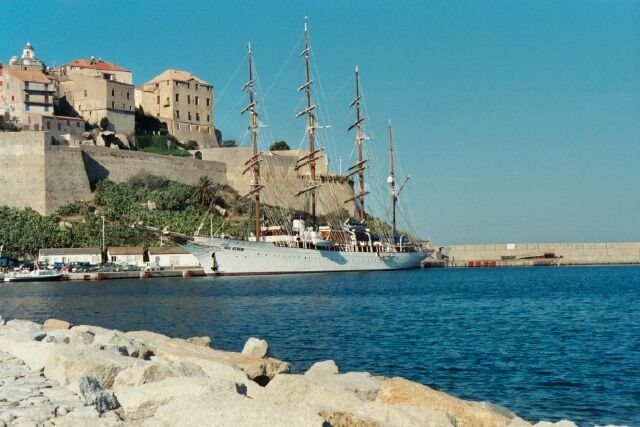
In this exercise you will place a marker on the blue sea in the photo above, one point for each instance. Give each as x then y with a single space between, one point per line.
546 342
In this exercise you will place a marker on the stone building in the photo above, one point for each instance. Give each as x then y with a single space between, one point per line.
28 61
96 89
184 103
27 95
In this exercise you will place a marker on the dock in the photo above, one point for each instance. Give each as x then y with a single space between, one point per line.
111 275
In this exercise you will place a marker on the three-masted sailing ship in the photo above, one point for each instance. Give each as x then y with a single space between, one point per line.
299 247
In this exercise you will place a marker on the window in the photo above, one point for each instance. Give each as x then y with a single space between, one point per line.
127 95
48 124
178 115
59 127
197 117
208 117
26 107
189 116
197 100
113 105
177 97
188 99
196 86
113 92
178 126
158 100
208 102
85 93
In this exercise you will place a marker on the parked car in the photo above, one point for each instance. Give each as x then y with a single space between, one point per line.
58 266
81 267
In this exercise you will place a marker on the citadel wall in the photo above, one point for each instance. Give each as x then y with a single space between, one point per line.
36 174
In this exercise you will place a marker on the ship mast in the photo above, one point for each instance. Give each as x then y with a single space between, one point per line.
360 166
395 191
254 162
392 182
309 159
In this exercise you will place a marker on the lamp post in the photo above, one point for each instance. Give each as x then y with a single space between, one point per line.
102 232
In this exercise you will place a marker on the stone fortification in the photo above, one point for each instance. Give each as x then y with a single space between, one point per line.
60 374
570 253
281 179
34 173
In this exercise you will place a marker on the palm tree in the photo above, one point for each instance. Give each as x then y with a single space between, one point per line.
204 192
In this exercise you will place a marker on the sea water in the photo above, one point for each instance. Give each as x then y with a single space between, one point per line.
546 342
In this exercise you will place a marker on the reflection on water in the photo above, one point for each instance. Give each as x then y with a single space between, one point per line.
545 342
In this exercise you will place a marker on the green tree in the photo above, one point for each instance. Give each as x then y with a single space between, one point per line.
104 123
279 146
229 143
204 192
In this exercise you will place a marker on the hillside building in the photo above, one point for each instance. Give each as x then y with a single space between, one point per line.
184 103
172 257
69 255
26 97
96 89
126 255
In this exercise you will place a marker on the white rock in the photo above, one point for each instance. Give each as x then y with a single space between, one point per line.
141 402
67 363
155 371
78 336
228 410
33 353
322 369
255 347
23 330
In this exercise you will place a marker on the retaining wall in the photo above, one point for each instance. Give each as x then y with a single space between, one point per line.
570 253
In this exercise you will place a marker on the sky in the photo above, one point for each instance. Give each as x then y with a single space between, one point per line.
518 121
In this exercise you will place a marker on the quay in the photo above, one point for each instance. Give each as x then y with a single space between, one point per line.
110 275
535 254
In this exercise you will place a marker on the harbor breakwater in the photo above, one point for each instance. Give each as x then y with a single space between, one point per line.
64 375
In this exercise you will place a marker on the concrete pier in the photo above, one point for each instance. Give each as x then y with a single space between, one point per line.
511 254
135 274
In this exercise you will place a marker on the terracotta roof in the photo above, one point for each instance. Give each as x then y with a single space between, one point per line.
182 76
29 76
97 64
167 250
125 251
70 251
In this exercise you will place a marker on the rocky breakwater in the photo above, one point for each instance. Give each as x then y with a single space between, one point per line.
58 374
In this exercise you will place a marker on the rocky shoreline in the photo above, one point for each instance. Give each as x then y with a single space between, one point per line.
57 374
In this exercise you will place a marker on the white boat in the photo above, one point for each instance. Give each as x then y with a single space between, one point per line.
296 247
33 276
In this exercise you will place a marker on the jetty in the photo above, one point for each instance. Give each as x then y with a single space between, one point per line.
60 374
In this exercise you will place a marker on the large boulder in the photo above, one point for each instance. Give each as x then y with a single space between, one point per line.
255 347
141 402
23 330
203 341
81 337
111 340
33 353
57 324
173 349
155 371
404 392
67 363
231 410
362 384
342 406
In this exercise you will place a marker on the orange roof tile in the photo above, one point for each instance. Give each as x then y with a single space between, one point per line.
97 64
29 76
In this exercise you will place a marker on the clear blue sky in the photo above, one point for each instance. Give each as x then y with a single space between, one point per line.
517 120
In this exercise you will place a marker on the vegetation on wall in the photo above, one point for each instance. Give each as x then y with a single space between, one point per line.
279 146
229 143
160 144
8 126
154 201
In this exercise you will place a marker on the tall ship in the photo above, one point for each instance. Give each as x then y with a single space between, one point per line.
301 243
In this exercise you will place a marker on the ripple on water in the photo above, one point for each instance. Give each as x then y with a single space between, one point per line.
548 343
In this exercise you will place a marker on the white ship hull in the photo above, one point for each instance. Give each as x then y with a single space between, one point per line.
230 257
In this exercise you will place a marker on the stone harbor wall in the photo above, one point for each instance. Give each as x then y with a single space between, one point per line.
64 375
566 253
